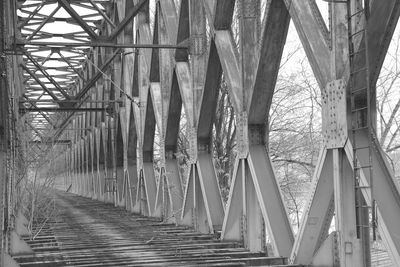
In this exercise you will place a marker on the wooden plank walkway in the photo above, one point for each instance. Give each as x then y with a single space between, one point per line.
380 258
92 233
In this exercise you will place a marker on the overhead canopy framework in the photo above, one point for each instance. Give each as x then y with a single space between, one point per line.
57 41
53 72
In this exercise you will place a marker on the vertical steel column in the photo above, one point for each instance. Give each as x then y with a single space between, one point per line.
130 173
131 160
169 191
3 133
202 207
336 118
146 189
255 197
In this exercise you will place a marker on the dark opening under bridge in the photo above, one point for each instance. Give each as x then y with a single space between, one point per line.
92 95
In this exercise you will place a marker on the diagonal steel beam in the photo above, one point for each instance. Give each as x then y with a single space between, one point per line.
98 74
312 37
69 64
132 13
102 13
381 26
40 82
78 19
275 29
64 124
36 102
42 63
43 23
34 129
33 104
46 74
82 93
32 14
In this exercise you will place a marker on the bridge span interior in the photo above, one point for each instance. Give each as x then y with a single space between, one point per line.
94 94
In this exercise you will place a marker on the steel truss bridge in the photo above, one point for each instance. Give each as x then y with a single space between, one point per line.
98 86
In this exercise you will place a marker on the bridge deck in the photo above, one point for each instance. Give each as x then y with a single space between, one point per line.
91 233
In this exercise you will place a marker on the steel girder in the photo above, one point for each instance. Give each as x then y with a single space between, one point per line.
161 81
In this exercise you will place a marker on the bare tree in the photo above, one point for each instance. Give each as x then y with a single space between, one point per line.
224 140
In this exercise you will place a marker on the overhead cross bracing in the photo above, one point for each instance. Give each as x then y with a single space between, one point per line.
100 105
55 61
53 70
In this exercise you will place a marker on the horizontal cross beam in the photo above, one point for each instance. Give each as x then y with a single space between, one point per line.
100 44
33 104
46 74
63 142
29 101
63 109
78 19
47 90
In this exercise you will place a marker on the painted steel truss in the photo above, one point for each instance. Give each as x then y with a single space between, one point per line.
123 77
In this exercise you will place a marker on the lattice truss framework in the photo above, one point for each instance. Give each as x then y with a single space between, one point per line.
123 73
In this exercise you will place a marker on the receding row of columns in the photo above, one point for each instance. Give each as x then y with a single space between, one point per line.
112 160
